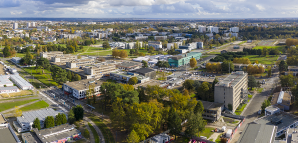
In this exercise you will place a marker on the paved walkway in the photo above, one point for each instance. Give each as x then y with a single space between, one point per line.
214 136
91 133
19 106
101 138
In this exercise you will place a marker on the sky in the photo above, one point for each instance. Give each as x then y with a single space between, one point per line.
149 8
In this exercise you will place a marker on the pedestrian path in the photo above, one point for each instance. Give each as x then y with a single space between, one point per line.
91 133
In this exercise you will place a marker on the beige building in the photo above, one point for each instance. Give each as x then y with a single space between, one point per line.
63 58
232 90
49 55
99 70
79 63
79 89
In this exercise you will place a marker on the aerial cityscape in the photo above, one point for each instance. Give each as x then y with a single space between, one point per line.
87 71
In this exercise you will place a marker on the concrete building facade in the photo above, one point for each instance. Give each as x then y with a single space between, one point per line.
78 89
232 90
183 59
63 58
49 55
79 63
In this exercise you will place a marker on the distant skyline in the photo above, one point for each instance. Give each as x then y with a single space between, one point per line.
149 9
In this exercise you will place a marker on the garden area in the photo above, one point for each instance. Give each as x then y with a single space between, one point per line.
9 105
268 60
38 105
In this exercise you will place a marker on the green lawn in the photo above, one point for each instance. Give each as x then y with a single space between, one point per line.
279 48
44 78
207 132
268 60
9 105
108 136
239 110
242 42
205 56
35 106
96 137
249 96
260 90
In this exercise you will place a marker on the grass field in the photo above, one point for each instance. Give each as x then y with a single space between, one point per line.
242 42
207 132
108 136
21 93
44 78
96 137
35 106
279 48
268 60
239 110
9 105
205 56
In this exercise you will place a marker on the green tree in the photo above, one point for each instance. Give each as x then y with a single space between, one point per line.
252 82
145 65
188 84
199 108
225 66
133 137
69 75
287 80
213 84
269 71
36 124
194 125
78 112
265 104
193 62
43 63
49 122
6 51
283 66
106 45
174 124
203 91
77 77
130 97
58 119
64 119
87 133
61 75
133 81
118 114
71 117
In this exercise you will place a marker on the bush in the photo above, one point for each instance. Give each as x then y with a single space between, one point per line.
86 133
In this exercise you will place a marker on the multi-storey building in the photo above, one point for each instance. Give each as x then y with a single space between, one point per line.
15 25
63 58
232 90
183 59
160 37
78 63
202 29
49 55
99 70
79 89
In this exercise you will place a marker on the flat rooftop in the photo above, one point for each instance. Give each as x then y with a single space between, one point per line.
232 79
255 133
30 116
286 120
83 84
31 137
2 119
211 105
6 135
284 100
128 75
22 82
150 83
293 67
143 70
128 64
56 133
4 79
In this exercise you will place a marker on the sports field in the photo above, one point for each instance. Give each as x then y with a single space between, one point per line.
266 43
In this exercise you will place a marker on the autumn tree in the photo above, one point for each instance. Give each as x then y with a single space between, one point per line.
133 137
193 62
123 54
116 53
269 71
17 111
133 81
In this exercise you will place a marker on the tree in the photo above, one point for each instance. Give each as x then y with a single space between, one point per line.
287 80
199 108
123 54
49 122
87 133
64 119
78 112
194 125
283 66
77 77
17 111
133 81
116 53
69 76
43 63
106 45
225 66
188 84
193 62
265 104
145 65
252 82
118 114
269 71
6 51
230 106
174 124
133 137
36 124
71 117
203 91
58 119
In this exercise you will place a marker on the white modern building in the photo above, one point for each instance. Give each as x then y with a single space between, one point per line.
141 37
9 89
79 89
234 29
16 60
20 82
155 44
15 26
160 37
200 45
213 29
202 29
24 123
171 45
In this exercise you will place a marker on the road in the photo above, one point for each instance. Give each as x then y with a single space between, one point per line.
251 111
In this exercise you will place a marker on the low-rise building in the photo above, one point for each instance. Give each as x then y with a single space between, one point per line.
282 120
232 90
123 77
7 134
78 89
57 134
147 72
141 37
270 110
9 89
282 100
155 44
16 60
98 70
293 70
24 123
49 55
160 37
212 110
161 138
78 63
255 133
172 45
20 82
183 59
129 65
291 135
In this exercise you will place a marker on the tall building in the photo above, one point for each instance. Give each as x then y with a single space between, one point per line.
232 90
15 25
234 29
33 24
202 29
28 24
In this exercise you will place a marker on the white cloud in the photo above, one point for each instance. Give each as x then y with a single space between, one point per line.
16 12
260 7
